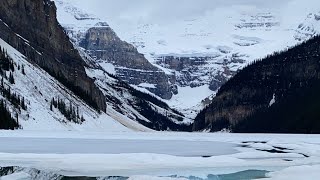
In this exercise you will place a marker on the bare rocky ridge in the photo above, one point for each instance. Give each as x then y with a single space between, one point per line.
102 44
31 27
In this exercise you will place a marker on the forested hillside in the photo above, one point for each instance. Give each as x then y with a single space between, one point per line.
278 94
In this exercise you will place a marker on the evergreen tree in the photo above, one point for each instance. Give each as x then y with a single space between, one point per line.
6 120
11 65
22 70
11 78
51 106
13 98
4 61
23 104
2 83
69 112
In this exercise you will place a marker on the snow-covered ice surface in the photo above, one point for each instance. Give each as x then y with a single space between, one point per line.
112 146
147 155
297 172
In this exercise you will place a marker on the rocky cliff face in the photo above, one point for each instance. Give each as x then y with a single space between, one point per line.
31 27
197 71
272 95
102 44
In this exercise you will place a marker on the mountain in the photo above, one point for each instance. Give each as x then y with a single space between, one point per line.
45 44
198 51
278 94
101 43
309 28
134 84
48 83
35 89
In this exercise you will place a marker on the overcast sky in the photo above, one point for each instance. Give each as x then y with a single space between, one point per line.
168 8
173 9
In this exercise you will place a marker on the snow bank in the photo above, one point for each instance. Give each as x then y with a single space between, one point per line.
297 173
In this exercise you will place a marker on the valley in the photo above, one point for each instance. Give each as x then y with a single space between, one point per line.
200 50
159 90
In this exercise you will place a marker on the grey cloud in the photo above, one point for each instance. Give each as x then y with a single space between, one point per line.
164 9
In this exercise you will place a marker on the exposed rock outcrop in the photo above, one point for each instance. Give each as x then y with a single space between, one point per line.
31 27
197 71
102 43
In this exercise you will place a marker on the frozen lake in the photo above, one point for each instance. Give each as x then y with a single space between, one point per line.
114 146
159 155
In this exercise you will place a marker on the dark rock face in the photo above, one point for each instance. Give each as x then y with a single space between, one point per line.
189 68
180 63
32 28
274 95
217 82
102 43
260 20
195 71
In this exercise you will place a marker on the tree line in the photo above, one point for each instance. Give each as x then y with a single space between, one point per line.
70 112
7 121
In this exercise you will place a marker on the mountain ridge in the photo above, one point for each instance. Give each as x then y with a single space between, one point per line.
61 57
201 52
56 73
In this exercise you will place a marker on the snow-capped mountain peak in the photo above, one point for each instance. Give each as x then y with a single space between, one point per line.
202 50
309 28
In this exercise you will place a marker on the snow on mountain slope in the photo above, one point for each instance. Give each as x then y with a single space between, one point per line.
131 103
76 21
38 88
309 28
202 49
